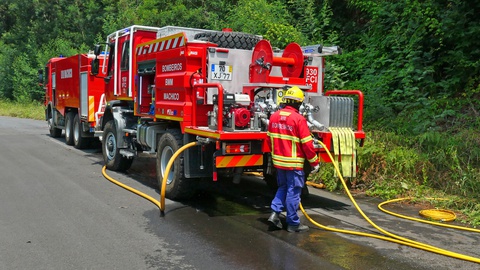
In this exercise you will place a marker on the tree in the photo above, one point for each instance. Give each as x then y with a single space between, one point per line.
270 19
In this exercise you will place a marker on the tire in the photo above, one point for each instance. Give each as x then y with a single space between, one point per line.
230 40
54 132
178 187
111 153
79 141
69 128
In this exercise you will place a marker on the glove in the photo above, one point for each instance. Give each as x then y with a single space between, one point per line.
315 169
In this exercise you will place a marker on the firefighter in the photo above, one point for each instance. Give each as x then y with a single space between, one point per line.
291 144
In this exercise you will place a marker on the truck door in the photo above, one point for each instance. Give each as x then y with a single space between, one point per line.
117 80
54 86
118 70
125 88
121 68
47 85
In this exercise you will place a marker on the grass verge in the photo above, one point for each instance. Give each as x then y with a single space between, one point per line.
32 110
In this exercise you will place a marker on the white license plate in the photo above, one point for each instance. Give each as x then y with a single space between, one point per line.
221 72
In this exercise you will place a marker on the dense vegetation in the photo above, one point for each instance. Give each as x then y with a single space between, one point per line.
417 62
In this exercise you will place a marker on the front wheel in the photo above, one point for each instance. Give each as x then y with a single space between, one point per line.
111 153
178 187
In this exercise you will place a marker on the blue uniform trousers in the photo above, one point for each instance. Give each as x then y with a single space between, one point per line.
287 198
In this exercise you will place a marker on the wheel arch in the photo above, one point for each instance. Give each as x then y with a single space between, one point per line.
113 111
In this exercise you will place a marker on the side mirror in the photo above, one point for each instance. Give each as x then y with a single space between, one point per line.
40 76
97 50
95 66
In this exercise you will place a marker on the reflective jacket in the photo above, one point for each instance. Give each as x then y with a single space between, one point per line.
290 140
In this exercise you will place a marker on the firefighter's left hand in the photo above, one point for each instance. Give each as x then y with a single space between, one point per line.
315 169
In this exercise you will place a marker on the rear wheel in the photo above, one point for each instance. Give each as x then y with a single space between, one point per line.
54 132
111 153
69 128
79 141
178 187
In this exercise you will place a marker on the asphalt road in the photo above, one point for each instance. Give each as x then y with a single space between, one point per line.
57 211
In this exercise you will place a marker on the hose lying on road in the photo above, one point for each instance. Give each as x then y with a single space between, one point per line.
139 193
160 204
388 236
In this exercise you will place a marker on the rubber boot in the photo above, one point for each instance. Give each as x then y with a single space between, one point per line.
275 220
297 228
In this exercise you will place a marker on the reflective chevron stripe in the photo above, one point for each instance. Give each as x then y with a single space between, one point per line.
91 108
171 42
238 161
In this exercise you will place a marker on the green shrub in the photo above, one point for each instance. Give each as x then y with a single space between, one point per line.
428 165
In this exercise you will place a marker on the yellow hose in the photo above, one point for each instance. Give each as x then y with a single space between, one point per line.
391 237
160 204
380 206
316 185
167 171
139 193
439 214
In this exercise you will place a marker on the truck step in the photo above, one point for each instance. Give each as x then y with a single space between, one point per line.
127 153
131 131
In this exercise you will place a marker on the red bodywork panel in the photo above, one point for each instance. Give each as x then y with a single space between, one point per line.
175 61
66 79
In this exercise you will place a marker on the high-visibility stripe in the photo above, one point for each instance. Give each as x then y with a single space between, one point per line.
287 164
288 159
238 161
306 139
284 137
160 116
171 42
91 108
168 44
313 159
202 133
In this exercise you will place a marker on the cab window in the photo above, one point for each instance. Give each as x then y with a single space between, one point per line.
125 55
46 76
111 58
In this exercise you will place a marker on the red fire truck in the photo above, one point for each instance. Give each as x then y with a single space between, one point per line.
71 94
169 86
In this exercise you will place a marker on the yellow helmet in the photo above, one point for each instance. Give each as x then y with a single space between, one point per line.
294 94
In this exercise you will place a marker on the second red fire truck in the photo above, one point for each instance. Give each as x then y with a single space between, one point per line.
71 94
